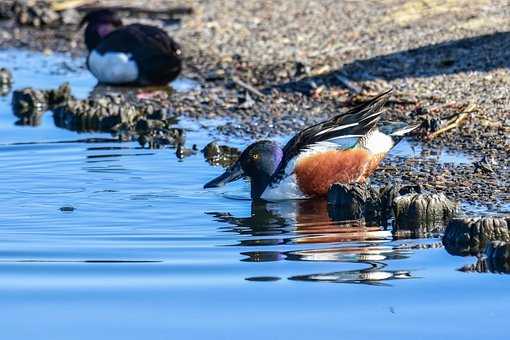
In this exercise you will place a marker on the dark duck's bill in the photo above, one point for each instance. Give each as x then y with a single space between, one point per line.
345 149
232 174
134 54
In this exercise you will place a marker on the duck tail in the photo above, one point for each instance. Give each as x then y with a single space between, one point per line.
397 135
405 130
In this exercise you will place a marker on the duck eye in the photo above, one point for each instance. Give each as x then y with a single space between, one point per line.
255 156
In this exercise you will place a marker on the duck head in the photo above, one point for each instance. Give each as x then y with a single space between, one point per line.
100 23
258 162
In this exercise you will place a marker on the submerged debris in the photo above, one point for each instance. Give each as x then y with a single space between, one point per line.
216 154
94 114
469 236
355 201
5 81
67 208
149 123
152 127
30 104
157 133
495 259
182 152
416 213
497 250
419 214
388 194
59 96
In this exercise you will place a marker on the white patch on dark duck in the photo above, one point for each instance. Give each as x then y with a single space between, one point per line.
113 67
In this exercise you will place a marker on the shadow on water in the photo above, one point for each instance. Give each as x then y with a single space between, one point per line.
313 223
480 53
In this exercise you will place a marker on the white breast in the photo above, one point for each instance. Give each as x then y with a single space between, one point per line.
286 189
113 67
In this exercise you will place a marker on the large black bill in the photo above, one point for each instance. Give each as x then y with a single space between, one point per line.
231 174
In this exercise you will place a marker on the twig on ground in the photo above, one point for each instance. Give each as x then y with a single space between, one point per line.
348 84
454 122
247 87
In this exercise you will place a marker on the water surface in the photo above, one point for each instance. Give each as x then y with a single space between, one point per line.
102 240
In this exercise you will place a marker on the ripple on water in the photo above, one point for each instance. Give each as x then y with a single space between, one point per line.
51 190
146 250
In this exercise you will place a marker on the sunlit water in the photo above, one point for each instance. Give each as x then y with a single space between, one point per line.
105 240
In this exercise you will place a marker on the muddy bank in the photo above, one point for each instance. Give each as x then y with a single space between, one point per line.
272 70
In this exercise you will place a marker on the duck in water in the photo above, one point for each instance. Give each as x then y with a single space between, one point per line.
345 149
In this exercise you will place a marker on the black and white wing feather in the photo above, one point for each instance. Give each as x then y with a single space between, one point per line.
354 123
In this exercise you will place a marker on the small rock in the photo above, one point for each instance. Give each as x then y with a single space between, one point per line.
485 165
70 17
431 124
5 81
35 14
5 77
246 101
6 10
214 75
223 155
301 69
28 102
182 152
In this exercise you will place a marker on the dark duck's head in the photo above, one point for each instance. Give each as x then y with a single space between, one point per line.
100 23
258 162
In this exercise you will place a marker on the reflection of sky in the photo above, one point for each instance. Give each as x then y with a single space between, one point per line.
406 148
145 205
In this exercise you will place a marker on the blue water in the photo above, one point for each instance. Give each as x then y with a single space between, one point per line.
105 240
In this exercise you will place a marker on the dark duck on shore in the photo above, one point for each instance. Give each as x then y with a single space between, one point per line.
135 54
344 149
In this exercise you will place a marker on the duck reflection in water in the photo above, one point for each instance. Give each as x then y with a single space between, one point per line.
313 222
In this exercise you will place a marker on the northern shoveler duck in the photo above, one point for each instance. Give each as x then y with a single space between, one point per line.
346 148
134 54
